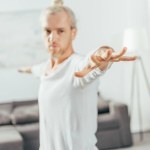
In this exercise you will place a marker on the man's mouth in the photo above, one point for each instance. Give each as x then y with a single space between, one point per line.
53 46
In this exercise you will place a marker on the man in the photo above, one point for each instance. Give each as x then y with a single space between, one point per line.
68 90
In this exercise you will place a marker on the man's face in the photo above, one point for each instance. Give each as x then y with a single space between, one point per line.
58 34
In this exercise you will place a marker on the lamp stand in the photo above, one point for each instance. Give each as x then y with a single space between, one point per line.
135 81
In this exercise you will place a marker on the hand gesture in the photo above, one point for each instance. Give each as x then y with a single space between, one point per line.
25 70
102 58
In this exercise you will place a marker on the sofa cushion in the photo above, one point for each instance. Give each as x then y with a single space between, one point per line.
24 102
4 117
10 138
25 114
5 111
28 131
103 107
107 122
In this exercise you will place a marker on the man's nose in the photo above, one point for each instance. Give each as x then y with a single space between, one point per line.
52 37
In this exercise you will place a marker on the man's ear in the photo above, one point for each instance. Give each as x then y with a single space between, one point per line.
74 32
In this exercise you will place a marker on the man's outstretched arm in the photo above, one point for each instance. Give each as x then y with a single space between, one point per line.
102 58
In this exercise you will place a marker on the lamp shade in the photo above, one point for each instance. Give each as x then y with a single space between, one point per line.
136 40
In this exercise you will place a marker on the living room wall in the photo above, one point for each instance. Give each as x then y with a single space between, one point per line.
101 22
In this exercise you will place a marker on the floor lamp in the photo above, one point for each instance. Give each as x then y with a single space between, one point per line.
136 40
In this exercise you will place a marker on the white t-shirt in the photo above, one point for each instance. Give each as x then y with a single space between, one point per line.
68 106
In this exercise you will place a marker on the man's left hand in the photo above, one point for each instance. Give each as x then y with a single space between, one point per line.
102 58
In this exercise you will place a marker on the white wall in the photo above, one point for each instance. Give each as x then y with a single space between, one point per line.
22 5
15 86
100 22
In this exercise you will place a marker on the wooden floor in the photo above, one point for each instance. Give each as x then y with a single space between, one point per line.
139 144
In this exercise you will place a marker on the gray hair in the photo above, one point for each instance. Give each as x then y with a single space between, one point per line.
58 7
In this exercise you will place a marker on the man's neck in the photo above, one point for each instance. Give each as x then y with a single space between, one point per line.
58 60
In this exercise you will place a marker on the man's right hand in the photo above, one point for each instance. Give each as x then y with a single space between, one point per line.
25 69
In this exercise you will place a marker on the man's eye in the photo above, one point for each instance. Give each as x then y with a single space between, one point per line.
60 31
47 31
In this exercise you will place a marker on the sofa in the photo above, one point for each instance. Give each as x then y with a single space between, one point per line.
113 125
19 125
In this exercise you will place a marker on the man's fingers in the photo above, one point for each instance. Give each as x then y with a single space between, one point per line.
124 58
119 54
97 60
128 58
101 56
109 54
104 54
